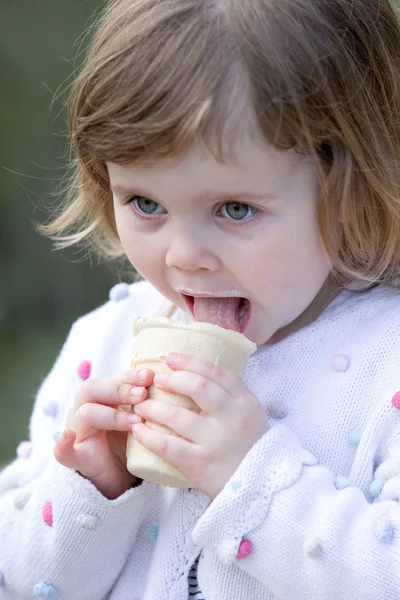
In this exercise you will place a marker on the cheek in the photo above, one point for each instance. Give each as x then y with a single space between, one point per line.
290 260
136 246
143 257
130 243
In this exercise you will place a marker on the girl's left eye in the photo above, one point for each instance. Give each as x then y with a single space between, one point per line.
145 206
236 211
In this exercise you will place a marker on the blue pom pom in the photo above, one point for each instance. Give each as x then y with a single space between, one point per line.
43 589
384 530
342 482
376 487
355 437
235 485
50 409
119 292
153 531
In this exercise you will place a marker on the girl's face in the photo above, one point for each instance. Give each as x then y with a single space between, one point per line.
197 227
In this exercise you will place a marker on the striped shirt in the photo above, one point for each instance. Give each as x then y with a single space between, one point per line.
194 590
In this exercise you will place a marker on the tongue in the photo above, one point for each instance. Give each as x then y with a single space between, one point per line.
219 311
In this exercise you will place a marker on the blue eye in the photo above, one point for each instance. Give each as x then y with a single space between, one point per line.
146 206
236 211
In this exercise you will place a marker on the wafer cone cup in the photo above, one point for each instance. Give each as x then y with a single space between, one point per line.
155 339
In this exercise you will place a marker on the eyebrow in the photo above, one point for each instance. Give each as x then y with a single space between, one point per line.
244 197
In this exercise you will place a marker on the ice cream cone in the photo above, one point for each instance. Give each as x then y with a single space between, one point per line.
155 339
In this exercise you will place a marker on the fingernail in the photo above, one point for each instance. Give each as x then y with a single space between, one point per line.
137 391
172 358
64 436
134 419
160 378
143 374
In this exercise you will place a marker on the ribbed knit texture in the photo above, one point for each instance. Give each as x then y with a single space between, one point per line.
316 497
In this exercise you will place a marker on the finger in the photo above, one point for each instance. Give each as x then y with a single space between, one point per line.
64 449
223 378
136 377
91 418
72 455
137 394
103 391
180 420
114 391
209 396
176 450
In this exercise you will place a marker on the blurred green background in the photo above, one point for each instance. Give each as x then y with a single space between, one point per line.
41 291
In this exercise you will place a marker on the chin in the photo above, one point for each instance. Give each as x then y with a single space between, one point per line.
257 339
256 336
261 336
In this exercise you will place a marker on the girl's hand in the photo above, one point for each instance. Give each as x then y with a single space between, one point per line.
213 443
94 442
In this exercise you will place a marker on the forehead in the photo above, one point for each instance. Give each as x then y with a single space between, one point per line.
251 167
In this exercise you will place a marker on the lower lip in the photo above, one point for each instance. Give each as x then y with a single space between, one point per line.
243 324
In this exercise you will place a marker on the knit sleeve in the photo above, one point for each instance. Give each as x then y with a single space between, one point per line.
304 535
59 536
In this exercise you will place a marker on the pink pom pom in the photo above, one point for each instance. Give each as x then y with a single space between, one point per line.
396 400
245 549
84 369
48 514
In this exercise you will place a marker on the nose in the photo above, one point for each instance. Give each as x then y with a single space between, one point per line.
191 250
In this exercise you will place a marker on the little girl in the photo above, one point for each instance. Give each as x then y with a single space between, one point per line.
244 156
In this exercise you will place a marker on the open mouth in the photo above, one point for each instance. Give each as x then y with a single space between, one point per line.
228 312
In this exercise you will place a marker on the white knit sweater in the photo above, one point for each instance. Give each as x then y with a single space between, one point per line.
317 495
